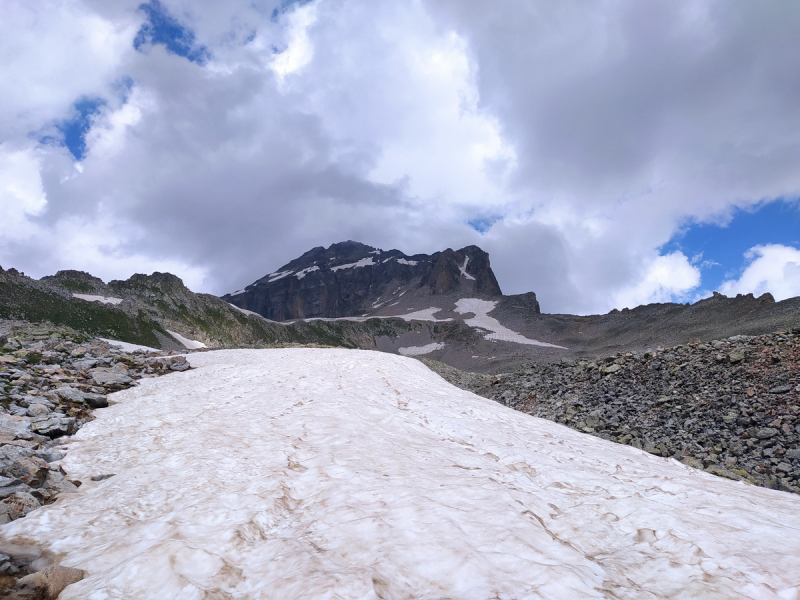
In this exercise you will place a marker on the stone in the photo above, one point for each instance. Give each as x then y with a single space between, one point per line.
58 482
50 582
49 454
178 363
95 400
780 389
37 410
16 506
736 356
54 425
792 454
110 377
14 426
766 432
70 394
29 470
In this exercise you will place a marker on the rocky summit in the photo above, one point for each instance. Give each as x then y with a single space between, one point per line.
352 279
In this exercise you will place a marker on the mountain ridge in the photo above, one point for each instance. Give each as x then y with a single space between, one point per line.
353 279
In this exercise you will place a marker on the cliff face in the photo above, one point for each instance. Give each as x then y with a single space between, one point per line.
351 279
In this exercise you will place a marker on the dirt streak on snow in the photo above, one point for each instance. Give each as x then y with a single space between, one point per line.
303 473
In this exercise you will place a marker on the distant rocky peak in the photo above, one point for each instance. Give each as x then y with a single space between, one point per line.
352 279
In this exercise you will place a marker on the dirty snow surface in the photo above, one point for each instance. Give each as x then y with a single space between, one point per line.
317 473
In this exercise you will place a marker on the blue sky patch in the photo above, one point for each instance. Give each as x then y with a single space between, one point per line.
483 225
284 6
73 130
719 250
162 28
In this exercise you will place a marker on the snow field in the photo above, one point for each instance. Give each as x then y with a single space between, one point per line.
497 331
100 299
127 347
420 350
187 343
364 262
302 473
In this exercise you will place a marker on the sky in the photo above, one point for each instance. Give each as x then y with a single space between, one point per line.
606 154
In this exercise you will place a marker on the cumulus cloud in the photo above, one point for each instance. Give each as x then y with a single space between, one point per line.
771 268
585 134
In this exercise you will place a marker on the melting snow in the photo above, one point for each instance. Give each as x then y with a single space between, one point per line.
101 299
412 263
237 292
364 262
463 269
304 473
425 314
247 312
275 276
126 347
483 321
191 344
420 350
375 252
302 273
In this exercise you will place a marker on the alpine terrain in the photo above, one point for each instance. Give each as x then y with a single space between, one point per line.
282 441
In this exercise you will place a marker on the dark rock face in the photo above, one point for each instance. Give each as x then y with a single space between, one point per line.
349 279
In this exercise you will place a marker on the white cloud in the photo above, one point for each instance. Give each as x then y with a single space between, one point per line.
772 268
53 54
590 132
666 278
21 193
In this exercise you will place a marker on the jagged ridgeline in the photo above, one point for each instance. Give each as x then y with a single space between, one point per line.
447 306
150 309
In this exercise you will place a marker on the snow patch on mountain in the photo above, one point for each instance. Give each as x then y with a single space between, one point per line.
279 275
101 299
496 330
190 344
303 272
425 314
420 350
463 269
127 347
364 262
411 263
302 473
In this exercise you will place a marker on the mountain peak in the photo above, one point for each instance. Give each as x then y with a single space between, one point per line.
353 279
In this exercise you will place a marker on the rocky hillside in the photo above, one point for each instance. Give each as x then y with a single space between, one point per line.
151 309
459 318
731 407
352 279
